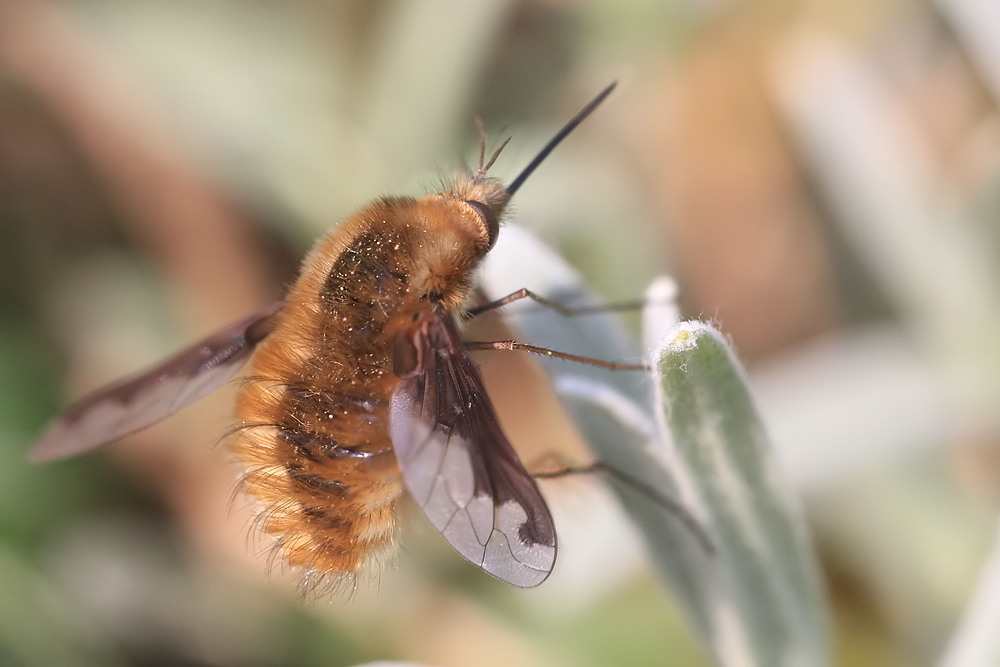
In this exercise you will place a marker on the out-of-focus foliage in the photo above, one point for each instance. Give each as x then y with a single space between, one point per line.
820 178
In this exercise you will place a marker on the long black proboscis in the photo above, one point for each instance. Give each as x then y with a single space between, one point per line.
555 141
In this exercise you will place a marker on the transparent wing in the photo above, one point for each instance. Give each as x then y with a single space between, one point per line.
134 404
457 463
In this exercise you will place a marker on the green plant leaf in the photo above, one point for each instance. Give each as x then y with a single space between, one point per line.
762 580
690 431
976 641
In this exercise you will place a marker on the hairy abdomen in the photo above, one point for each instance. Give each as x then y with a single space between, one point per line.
314 411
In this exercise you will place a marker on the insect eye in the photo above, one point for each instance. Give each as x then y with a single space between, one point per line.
488 219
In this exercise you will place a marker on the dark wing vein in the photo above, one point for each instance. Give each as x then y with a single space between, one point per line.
136 403
459 466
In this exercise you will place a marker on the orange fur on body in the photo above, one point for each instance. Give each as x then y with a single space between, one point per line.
315 409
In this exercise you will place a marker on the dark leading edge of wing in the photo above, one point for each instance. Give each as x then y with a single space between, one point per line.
132 405
459 466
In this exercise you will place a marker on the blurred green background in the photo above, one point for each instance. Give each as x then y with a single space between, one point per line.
821 178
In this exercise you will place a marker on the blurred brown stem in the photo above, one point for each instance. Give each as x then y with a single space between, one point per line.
170 206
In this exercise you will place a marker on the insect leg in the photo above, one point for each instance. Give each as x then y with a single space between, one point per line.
511 345
567 311
670 504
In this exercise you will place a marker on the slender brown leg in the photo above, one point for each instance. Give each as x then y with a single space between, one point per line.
670 504
512 345
568 311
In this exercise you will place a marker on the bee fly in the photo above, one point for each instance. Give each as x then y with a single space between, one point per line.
359 386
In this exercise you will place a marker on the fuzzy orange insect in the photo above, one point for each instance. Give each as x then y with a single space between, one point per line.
359 386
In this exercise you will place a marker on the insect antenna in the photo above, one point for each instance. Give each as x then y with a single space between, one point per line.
484 165
557 139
